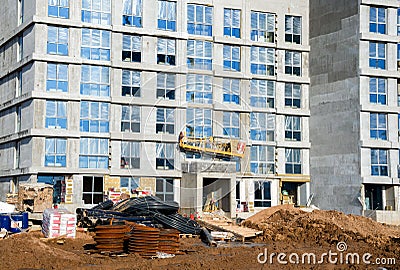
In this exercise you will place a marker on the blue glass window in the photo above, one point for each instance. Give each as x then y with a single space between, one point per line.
95 81
262 27
377 55
166 86
292 95
130 155
94 117
199 54
293 63
231 122
57 40
166 15
293 29
93 153
262 94
96 11
377 126
132 13
130 119
56 114
262 127
57 77
379 162
262 159
232 22
231 91
198 123
165 156
293 128
231 58
58 8
199 89
200 20
55 152
95 44
292 161
377 90
377 20
165 121
166 51
262 61
131 83
132 48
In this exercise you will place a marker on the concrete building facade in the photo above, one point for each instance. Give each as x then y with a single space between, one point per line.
94 93
354 103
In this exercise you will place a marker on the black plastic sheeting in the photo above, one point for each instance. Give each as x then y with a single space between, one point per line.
149 211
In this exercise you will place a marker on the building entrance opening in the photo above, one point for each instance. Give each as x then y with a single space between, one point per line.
379 197
216 194
293 193
58 183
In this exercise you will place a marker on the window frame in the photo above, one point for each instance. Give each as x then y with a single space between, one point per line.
131 83
164 190
60 80
262 198
60 116
199 58
376 60
293 62
133 122
262 93
132 48
166 53
166 125
93 150
231 58
199 89
129 17
293 95
262 159
60 41
262 32
262 126
378 126
198 123
262 61
231 124
380 167
231 91
89 13
375 24
89 86
166 21
232 29
293 128
95 193
165 156
166 86
291 34
96 50
376 96
130 154
58 9
293 164
203 27
132 183
88 122
59 158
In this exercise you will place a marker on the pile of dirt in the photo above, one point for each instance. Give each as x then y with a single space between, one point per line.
325 228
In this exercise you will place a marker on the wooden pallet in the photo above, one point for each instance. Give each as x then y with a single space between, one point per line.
106 253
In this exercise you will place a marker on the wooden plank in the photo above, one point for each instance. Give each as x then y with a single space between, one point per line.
240 232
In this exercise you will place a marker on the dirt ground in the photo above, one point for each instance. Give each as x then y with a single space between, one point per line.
286 230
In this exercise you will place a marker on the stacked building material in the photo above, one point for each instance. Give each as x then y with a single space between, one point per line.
169 241
144 241
58 222
111 238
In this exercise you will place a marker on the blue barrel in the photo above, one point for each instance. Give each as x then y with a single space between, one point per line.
16 222
5 221
25 220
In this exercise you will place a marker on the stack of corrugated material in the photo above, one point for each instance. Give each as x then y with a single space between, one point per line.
58 222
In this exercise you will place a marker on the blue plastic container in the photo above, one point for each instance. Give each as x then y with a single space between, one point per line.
16 222
5 221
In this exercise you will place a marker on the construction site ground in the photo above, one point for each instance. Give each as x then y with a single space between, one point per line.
286 229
